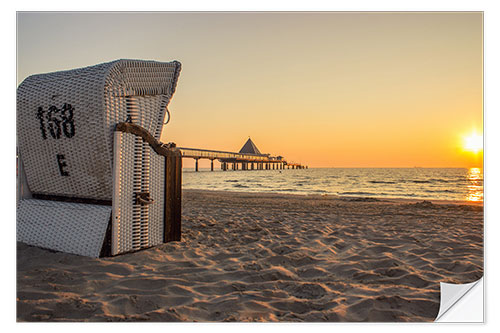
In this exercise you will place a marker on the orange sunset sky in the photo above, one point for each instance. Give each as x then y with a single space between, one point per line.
325 89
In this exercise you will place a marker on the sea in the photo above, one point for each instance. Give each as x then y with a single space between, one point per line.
410 183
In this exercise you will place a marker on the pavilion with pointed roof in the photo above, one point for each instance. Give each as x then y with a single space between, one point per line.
250 148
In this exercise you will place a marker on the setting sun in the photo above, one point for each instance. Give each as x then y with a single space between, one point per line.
473 143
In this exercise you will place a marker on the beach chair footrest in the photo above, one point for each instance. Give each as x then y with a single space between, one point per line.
63 226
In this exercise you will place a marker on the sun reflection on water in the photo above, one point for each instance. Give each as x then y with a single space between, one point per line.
475 184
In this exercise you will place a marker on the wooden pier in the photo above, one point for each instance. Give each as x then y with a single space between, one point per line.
249 158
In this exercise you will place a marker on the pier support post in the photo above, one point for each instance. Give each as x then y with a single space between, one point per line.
212 165
252 165
196 165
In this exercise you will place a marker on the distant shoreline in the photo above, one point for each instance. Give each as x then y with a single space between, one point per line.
336 167
343 198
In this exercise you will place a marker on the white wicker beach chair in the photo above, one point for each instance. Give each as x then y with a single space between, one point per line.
89 153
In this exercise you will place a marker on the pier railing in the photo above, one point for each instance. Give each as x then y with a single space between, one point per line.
217 154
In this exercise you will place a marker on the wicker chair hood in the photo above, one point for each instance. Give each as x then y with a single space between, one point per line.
66 120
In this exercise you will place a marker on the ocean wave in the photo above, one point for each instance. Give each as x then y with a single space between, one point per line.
357 193
381 182
439 180
440 191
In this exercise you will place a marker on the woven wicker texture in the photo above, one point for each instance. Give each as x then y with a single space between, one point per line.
65 122
61 226
137 169
157 190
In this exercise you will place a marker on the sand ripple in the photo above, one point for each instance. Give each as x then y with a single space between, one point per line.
251 257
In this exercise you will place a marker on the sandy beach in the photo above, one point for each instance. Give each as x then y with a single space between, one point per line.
268 257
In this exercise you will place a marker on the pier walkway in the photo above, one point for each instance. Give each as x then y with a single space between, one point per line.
248 158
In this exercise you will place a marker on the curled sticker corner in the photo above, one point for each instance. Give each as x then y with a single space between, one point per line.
466 298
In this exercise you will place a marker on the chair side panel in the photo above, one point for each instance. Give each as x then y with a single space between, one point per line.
138 169
157 190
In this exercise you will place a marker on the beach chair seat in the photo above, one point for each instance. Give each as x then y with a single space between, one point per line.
86 185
